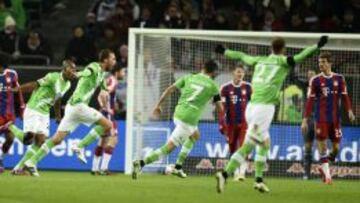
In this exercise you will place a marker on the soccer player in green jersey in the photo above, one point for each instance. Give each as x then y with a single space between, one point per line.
269 75
46 92
78 112
196 91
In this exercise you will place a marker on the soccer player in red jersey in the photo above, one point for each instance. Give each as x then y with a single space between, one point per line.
326 90
8 81
235 95
104 150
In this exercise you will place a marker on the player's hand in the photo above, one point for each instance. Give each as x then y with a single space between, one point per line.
351 116
15 89
304 127
322 41
222 129
220 49
156 112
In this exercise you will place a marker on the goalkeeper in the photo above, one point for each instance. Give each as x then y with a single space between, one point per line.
269 75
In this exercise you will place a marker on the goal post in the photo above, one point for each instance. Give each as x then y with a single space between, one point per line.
157 57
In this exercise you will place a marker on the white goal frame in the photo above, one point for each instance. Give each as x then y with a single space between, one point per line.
194 34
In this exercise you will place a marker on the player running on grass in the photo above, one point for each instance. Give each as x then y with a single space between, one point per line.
78 112
235 96
8 81
269 75
327 89
196 91
104 149
46 92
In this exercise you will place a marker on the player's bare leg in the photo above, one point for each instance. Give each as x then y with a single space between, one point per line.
324 159
102 127
30 165
184 153
152 157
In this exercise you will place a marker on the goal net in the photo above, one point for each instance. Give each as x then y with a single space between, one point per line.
157 58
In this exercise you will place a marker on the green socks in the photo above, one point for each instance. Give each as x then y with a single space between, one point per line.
238 158
155 155
94 134
44 150
185 151
260 161
19 134
29 153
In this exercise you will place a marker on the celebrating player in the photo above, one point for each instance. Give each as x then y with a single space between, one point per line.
327 89
8 81
106 145
196 91
269 75
77 111
235 95
46 92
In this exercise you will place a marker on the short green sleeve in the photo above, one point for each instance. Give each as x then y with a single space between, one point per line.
47 80
180 83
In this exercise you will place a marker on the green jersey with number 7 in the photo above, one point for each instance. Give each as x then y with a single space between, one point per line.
196 91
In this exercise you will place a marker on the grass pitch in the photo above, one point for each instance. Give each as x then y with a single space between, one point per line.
78 187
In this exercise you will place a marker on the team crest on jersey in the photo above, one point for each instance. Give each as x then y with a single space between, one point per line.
231 92
243 92
322 84
8 80
336 83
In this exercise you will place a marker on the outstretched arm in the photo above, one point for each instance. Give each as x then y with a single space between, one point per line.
237 55
27 87
307 52
165 94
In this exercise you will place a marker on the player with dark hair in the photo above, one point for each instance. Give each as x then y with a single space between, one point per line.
78 112
327 89
106 144
8 81
269 74
196 91
235 95
46 92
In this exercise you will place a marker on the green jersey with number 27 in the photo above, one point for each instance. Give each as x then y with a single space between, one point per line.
270 72
196 91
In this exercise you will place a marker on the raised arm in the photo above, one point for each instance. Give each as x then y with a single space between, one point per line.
236 55
307 52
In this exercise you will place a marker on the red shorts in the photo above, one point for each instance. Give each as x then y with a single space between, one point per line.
328 130
236 136
5 119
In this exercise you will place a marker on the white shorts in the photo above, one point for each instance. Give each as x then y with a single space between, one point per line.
36 122
78 114
259 118
181 132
